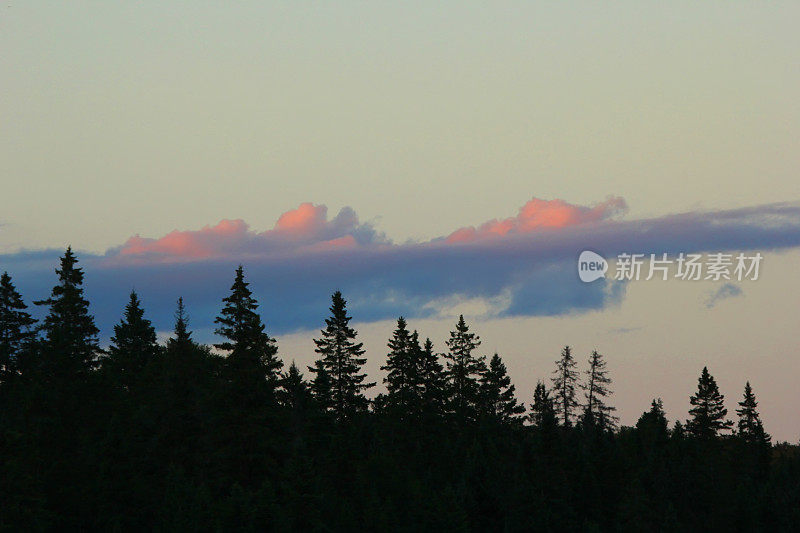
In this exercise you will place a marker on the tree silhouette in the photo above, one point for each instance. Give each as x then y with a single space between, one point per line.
596 410
252 361
463 371
133 345
497 393
403 372
652 425
342 358
565 379
750 427
543 413
321 386
15 327
70 335
431 376
294 393
708 411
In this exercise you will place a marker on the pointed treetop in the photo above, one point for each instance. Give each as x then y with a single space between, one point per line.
181 332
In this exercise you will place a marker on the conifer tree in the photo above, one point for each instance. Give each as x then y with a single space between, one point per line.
750 426
70 334
15 327
294 393
133 345
596 411
402 364
321 386
565 379
463 370
708 411
431 376
342 358
497 393
543 413
652 425
252 354
181 336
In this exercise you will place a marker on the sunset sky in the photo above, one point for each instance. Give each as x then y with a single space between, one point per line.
428 159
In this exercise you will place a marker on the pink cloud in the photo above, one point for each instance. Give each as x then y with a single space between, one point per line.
540 214
306 220
200 244
306 227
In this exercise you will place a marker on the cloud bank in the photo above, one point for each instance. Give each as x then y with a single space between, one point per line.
518 266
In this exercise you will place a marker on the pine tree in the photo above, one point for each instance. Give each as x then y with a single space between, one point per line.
342 358
596 411
750 426
565 379
543 413
497 393
708 411
16 327
402 364
133 345
252 354
463 370
70 335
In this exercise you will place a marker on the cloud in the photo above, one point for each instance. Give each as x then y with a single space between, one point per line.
306 227
728 290
540 214
528 271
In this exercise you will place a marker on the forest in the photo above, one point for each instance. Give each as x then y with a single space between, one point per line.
182 436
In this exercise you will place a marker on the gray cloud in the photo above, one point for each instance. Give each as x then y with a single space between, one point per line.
728 290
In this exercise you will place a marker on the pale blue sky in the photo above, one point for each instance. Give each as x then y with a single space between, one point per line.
450 112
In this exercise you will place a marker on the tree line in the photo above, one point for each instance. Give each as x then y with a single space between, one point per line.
180 436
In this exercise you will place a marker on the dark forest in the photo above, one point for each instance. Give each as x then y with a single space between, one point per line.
181 436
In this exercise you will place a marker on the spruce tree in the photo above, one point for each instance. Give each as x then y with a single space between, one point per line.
403 379
432 378
133 345
342 358
294 393
463 370
652 425
708 411
565 379
543 413
497 393
252 354
321 386
750 426
16 327
596 411
70 334
181 336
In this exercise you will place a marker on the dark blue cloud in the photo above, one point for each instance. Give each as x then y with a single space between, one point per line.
532 273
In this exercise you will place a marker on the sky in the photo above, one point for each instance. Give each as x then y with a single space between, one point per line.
428 159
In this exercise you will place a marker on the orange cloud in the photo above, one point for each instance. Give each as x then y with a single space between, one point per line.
541 214
305 220
306 227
